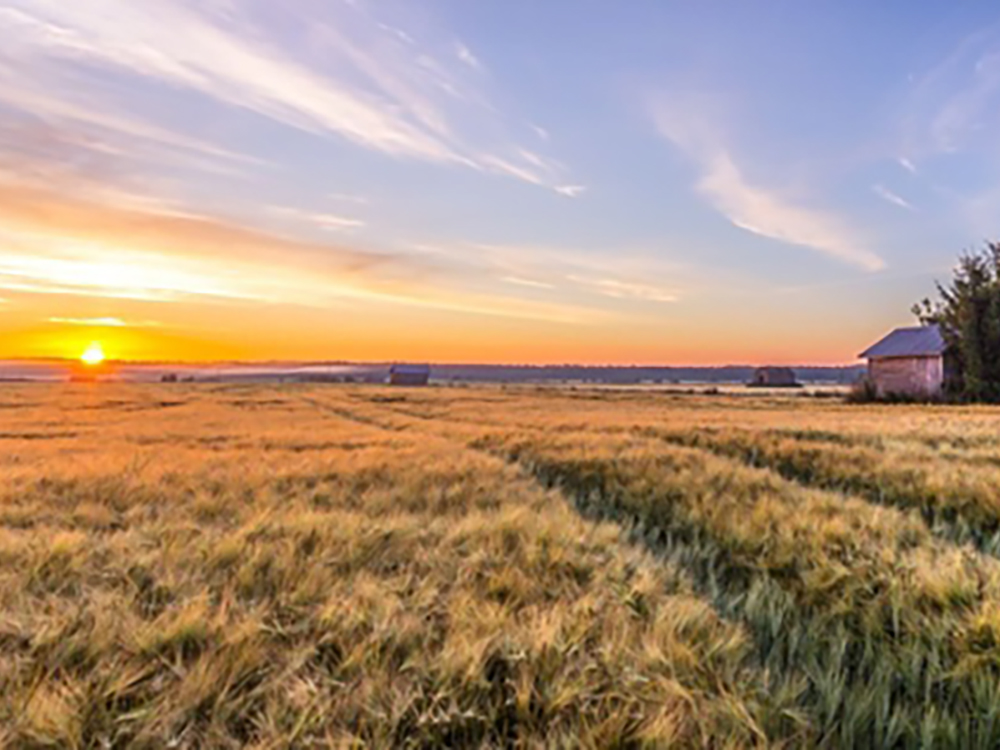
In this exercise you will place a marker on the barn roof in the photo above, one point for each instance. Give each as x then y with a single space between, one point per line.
410 369
918 341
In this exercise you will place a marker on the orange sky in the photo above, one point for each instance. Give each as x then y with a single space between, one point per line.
409 181
151 285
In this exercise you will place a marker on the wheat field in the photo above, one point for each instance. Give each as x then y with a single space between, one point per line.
225 566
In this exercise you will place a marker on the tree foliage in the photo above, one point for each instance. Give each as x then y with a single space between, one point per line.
968 313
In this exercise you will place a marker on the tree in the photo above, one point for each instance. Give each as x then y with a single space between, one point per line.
968 314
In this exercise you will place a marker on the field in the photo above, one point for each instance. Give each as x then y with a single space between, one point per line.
283 566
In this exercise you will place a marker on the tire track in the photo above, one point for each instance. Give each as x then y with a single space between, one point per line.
956 522
828 652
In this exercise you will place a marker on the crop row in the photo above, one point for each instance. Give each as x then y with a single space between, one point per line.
895 633
956 497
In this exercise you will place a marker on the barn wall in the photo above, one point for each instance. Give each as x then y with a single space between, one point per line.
407 378
910 376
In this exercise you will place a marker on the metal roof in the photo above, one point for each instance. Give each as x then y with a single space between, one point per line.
919 341
410 369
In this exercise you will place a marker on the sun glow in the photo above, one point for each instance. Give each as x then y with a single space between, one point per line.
93 356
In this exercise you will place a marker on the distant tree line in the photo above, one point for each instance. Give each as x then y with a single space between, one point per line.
968 313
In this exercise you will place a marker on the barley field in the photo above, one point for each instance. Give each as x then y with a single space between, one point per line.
196 566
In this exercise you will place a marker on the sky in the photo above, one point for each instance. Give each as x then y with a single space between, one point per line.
585 181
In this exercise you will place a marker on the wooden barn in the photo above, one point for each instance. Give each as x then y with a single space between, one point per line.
409 374
908 362
774 377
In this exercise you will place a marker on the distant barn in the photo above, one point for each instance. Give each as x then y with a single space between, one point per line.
908 362
409 374
774 377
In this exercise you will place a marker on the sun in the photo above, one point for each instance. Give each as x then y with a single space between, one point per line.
93 356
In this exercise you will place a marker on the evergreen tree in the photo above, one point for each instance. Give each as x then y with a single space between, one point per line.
968 313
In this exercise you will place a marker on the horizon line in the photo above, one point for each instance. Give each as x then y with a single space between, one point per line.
378 363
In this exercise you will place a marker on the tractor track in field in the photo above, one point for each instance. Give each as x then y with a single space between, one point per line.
947 523
351 416
795 643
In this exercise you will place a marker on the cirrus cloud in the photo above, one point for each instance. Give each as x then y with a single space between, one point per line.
348 74
752 207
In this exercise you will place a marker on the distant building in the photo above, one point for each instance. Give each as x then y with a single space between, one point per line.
774 377
409 374
908 362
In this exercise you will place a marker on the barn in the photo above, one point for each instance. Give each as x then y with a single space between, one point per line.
774 377
908 362
409 374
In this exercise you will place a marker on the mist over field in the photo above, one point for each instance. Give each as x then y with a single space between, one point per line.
233 372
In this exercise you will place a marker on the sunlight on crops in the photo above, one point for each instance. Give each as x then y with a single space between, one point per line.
232 566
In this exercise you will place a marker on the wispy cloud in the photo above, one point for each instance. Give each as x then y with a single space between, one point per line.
887 195
57 246
769 214
326 221
530 167
141 40
533 283
105 322
346 73
949 115
626 290
540 131
571 191
955 104
626 275
757 209
349 198
465 55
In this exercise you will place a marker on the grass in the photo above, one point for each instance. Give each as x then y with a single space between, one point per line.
251 566
954 489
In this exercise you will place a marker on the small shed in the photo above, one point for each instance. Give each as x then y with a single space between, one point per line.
774 377
908 362
409 374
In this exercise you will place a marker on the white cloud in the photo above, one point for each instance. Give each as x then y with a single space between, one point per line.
105 322
624 289
532 168
955 104
754 208
142 39
540 131
625 275
571 191
339 72
139 278
771 215
348 198
906 164
528 282
465 55
503 166
18 90
327 221
398 33
885 194
56 247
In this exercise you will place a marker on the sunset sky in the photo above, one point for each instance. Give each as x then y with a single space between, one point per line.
490 181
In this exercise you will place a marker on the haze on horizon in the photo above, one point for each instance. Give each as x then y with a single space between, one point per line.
651 182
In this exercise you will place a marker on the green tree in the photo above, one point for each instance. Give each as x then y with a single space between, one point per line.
968 314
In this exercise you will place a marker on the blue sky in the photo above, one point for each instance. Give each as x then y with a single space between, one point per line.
489 181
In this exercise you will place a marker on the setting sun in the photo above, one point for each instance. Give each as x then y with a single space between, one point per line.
93 356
